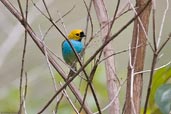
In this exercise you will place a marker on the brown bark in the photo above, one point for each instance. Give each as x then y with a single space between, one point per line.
109 63
137 58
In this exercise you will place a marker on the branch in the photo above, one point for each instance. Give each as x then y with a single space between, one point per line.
22 98
15 12
97 51
112 82
137 57
162 24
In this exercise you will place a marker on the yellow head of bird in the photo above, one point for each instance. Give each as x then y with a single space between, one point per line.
76 34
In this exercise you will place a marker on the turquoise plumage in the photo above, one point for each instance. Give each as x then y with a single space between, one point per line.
68 54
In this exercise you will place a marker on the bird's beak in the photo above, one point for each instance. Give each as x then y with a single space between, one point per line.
82 34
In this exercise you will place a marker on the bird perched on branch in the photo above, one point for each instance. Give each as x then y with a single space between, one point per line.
74 37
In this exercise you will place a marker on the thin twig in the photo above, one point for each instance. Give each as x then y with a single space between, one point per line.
162 24
154 24
89 18
114 98
65 14
39 9
117 53
92 73
62 22
70 101
44 3
25 93
26 34
142 26
48 63
155 56
57 104
120 13
147 71
163 45
23 57
91 23
132 64
113 20
20 7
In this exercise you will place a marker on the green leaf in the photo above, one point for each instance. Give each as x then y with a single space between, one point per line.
160 77
163 98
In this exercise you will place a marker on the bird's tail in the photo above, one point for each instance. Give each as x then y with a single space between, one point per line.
72 71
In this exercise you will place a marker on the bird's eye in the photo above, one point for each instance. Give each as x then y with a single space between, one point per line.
77 34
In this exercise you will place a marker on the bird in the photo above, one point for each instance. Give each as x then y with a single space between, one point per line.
74 37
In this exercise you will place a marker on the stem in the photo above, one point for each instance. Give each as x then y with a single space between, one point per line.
150 81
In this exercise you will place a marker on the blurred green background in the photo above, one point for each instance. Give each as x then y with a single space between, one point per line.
40 87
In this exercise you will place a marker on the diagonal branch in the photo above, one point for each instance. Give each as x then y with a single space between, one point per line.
15 12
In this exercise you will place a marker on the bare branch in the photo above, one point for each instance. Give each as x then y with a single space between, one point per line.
162 46
48 63
58 20
89 18
44 3
114 98
23 59
155 56
154 24
70 101
15 12
25 93
20 7
117 53
142 26
147 71
162 24
62 22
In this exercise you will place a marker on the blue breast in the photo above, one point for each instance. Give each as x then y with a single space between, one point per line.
67 51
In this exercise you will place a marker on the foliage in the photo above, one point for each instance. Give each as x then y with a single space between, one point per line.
9 103
163 98
160 78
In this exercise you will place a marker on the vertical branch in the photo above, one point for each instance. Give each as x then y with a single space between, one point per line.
154 24
109 63
162 24
25 93
22 98
137 56
156 54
